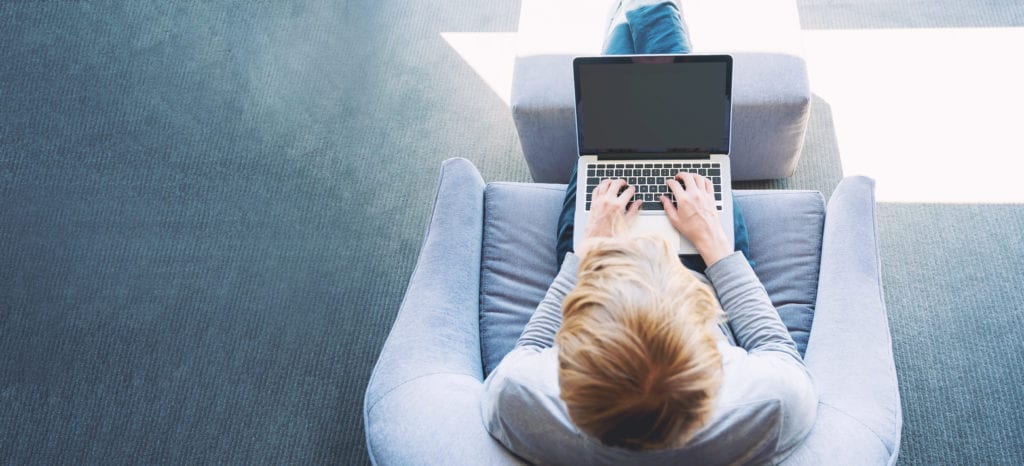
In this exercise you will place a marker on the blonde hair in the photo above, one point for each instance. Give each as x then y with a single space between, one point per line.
638 364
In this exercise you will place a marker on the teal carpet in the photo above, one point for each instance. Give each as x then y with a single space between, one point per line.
208 215
209 212
955 296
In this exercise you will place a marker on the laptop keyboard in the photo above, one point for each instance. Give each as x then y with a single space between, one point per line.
649 179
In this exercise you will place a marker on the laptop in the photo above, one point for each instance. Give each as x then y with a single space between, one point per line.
644 118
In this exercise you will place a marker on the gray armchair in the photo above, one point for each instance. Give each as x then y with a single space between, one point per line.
488 258
489 253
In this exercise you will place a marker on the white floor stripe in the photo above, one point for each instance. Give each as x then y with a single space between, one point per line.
917 108
913 108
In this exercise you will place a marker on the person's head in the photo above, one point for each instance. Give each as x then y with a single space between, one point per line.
638 362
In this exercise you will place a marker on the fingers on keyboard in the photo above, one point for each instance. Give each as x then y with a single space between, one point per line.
649 179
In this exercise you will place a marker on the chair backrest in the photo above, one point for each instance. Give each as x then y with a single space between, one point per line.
518 256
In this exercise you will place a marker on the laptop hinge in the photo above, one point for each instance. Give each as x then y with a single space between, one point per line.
654 156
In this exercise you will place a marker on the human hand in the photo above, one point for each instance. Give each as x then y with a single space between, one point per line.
609 216
695 216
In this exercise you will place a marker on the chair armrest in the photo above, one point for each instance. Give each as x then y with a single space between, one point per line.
849 354
434 419
437 328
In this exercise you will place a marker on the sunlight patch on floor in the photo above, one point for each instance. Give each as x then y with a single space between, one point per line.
913 108
490 54
916 109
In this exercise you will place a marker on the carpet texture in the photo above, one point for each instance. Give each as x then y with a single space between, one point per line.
208 215
955 297
209 212
888 14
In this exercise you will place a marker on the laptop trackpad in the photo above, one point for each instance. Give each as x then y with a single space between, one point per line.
657 225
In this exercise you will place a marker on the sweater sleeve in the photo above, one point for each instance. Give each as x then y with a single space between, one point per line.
754 320
540 331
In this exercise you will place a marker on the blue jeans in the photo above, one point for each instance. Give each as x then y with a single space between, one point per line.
648 29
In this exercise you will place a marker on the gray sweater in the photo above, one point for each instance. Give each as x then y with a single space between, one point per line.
764 409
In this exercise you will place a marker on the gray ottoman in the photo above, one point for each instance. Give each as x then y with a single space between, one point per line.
771 97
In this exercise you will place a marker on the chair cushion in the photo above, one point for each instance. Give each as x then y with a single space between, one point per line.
518 256
785 229
517 263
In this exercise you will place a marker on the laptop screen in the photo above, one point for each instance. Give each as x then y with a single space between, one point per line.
653 103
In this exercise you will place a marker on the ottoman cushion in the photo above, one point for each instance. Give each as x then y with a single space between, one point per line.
771 97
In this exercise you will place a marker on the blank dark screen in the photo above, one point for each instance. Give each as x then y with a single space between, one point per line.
671 107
